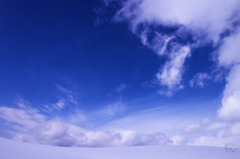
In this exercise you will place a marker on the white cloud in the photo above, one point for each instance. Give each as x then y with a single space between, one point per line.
195 15
178 140
217 133
230 109
229 58
24 118
216 126
235 129
199 80
110 110
164 25
31 126
192 128
209 141
69 135
206 120
171 73
220 139
22 103
59 105
230 50
68 94
186 19
63 90
60 134
72 99
158 43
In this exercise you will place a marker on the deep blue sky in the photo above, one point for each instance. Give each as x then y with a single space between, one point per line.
43 44
49 43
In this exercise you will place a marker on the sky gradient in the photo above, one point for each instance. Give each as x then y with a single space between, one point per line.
120 73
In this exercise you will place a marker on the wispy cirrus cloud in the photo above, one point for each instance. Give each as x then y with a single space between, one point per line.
110 110
22 103
68 94
120 88
216 126
199 80
66 98
170 74
59 105
24 118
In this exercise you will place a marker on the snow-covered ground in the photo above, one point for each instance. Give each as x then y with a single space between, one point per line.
10 149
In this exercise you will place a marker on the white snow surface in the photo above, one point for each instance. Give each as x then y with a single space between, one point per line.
10 149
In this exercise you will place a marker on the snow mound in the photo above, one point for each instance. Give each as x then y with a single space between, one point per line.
10 149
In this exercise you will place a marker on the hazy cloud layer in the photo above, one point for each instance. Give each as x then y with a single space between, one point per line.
30 125
215 133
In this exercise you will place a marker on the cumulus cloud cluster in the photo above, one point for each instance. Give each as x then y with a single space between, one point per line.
229 57
30 125
229 51
230 109
174 28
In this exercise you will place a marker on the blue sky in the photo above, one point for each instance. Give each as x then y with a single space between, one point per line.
119 73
